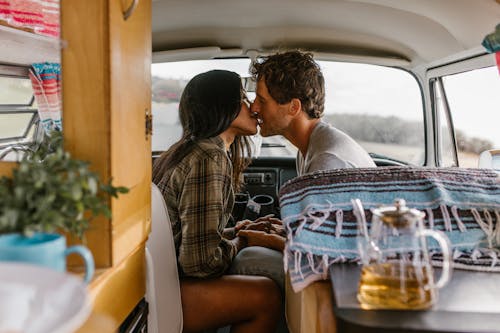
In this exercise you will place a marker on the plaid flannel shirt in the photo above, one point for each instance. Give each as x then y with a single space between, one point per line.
199 197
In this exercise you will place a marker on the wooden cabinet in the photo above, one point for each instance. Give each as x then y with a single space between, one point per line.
106 92
106 98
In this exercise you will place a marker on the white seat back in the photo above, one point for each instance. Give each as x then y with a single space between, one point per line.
162 288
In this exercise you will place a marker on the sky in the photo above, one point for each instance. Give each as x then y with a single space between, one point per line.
474 96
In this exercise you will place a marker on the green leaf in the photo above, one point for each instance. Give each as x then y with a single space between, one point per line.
93 185
50 191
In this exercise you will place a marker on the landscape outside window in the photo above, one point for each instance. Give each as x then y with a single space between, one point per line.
473 101
378 106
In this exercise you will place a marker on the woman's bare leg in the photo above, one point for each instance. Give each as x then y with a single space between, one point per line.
247 303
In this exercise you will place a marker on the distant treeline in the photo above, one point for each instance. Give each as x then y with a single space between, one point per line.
392 129
473 145
379 129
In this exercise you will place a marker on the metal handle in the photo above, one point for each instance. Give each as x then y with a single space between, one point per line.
17 149
149 124
130 10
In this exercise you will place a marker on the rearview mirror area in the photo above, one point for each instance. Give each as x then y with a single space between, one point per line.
248 84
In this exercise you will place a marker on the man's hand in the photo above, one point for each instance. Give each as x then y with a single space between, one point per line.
261 238
239 243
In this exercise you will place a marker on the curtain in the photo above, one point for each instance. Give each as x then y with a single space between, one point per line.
40 15
492 44
46 81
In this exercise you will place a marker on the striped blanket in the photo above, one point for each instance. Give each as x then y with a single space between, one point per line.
40 15
321 226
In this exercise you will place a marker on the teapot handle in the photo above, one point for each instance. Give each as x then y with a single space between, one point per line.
444 243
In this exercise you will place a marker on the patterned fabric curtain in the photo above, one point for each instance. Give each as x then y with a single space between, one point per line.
46 80
492 44
40 15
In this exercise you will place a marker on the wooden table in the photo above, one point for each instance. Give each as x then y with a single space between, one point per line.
469 303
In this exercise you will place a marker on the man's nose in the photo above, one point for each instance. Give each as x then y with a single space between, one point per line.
254 107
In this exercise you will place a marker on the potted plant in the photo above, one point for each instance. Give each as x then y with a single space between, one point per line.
50 192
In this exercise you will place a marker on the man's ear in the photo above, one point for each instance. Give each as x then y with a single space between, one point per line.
295 106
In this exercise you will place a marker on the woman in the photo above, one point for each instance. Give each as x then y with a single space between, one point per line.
197 177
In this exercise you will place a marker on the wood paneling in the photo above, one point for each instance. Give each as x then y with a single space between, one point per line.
106 93
130 53
6 168
115 292
86 100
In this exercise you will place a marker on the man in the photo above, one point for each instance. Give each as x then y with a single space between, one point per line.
290 102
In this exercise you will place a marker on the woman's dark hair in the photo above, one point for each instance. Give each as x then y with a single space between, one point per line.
209 104
293 74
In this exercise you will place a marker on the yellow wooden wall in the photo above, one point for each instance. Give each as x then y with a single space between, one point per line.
106 90
106 95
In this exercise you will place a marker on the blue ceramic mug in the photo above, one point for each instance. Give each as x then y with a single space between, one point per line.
42 249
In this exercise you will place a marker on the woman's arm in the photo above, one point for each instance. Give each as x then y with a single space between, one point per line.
203 251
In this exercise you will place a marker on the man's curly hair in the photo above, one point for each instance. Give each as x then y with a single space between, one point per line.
293 74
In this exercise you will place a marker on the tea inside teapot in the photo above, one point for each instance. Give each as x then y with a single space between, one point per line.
397 271
381 286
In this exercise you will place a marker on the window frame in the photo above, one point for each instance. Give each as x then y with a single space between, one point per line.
436 84
33 122
435 74
21 72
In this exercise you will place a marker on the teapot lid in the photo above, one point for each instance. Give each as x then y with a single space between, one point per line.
398 215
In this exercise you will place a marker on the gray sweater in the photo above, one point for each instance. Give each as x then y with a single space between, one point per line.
330 148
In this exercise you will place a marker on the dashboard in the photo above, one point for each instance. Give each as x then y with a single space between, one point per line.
266 175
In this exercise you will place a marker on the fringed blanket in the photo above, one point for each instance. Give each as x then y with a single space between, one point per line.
321 227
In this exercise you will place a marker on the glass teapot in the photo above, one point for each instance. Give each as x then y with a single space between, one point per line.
397 271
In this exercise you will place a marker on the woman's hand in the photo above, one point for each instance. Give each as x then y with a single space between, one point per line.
268 224
242 225
264 239
258 226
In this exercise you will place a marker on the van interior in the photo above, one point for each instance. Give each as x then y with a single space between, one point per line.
415 82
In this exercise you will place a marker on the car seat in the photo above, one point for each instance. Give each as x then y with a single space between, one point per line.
162 279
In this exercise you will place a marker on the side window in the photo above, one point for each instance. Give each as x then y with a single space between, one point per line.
473 101
18 116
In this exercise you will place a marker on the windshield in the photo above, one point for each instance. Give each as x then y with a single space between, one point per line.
380 107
